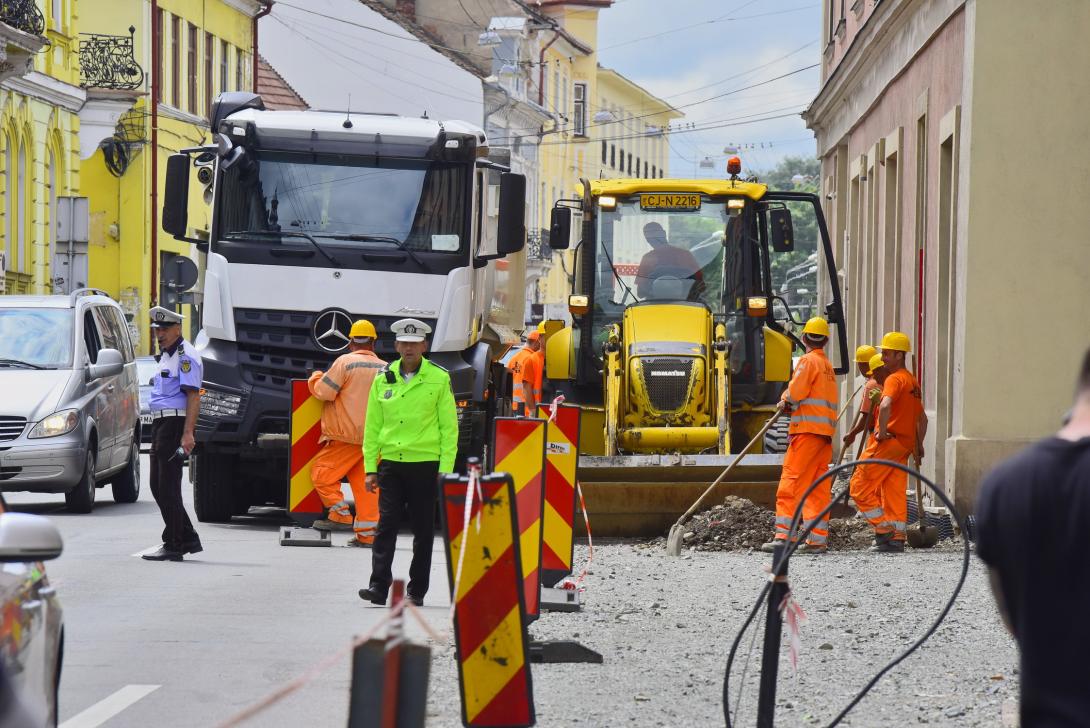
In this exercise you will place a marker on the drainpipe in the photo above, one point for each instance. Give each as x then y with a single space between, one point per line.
541 70
156 89
258 16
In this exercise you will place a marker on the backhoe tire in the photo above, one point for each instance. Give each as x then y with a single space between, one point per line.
213 484
776 438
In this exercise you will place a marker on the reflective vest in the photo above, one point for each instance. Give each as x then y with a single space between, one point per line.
812 395
514 365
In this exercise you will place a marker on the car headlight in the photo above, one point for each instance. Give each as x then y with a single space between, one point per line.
215 403
58 423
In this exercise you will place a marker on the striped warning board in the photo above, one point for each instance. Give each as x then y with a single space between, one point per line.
304 505
489 625
558 520
519 449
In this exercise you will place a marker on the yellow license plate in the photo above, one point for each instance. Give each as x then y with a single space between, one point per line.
668 201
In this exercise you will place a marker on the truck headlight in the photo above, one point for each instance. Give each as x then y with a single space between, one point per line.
58 423
215 403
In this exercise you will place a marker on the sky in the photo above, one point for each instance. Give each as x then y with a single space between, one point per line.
721 47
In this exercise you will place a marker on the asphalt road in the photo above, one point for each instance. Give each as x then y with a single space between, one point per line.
192 643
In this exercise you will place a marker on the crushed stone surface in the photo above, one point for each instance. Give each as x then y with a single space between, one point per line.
664 626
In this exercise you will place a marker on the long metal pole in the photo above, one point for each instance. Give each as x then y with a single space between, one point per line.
770 656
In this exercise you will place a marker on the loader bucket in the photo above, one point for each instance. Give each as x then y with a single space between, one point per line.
643 495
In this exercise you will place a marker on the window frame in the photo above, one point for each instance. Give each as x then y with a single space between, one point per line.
579 109
225 65
175 60
191 63
209 79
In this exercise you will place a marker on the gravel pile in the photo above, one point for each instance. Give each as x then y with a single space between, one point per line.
664 626
739 524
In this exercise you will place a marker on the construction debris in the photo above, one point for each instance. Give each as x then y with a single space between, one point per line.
739 524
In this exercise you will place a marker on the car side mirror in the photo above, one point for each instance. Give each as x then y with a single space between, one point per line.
783 237
27 537
109 364
511 226
560 228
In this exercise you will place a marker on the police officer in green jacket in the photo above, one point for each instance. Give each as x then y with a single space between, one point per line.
410 437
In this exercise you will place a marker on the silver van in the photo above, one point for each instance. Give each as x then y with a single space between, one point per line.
69 398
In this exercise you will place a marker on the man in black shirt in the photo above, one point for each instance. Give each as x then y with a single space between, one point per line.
1032 518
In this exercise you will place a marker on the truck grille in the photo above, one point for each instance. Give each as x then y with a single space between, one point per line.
277 346
11 427
666 379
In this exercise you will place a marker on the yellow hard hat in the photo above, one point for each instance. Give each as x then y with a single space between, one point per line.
875 363
363 328
541 328
816 326
864 353
896 341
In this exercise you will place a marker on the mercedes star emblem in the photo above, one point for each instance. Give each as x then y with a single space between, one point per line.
331 330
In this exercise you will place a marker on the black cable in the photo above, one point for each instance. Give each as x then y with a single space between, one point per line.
779 568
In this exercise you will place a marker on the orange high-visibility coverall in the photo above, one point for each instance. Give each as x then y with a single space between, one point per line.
344 389
813 398
514 365
533 377
879 490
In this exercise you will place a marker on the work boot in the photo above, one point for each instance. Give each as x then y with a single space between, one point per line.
373 595
324 524
770 546
355 543
808 548
164 554
888 546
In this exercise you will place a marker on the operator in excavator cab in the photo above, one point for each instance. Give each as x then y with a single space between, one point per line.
667 261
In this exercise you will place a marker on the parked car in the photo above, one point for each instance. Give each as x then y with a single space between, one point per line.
146 371
32 629
69 415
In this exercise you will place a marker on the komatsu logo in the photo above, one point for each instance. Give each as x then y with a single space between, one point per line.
677 373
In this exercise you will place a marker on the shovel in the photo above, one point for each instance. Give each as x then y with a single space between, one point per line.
673 541
921 536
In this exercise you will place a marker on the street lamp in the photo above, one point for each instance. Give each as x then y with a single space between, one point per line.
603 117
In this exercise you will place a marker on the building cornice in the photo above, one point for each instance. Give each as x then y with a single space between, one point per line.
173 113
48 89
248 8
872 62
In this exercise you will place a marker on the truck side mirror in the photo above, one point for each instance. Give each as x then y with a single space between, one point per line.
176 196
511 226
560 228
783 237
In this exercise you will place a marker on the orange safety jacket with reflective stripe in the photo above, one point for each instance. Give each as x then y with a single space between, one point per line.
533 376
345 389
515 365
812 395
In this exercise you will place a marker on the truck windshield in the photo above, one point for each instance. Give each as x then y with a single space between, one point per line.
369 203
35 338
649 253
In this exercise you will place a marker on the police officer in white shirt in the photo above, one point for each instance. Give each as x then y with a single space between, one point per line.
174 403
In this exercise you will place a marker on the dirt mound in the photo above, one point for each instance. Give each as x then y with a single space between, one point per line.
739 524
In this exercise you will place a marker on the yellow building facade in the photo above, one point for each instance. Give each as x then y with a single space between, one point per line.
151 71
40 98
607 125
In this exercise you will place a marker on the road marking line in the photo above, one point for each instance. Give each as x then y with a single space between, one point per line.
108 707
148 550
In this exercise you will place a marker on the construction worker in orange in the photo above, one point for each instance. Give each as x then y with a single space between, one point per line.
811 397
879 491
872 393
514 365
344 390
533 370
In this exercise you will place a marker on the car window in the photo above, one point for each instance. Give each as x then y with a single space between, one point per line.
123 333
38 336
107 331
91 339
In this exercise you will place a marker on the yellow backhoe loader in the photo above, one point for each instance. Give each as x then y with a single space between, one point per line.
685 298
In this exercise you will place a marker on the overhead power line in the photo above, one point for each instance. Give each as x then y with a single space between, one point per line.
707 22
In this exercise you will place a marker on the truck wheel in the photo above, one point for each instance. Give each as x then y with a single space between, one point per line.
213 483
81 499
126 484
776 439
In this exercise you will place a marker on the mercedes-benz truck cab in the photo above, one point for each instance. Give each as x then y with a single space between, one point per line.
318 219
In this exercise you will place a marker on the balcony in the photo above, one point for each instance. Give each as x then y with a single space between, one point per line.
108 62
22 15
21 27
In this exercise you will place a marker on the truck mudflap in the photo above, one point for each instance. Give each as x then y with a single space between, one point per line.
643 495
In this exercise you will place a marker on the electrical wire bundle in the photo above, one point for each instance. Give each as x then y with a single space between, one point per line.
779 570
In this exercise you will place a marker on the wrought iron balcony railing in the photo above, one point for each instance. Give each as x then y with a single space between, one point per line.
107 61
22 14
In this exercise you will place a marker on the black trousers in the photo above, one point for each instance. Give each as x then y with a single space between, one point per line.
166 483
412 486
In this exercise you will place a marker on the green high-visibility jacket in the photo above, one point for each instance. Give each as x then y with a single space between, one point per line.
411 421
